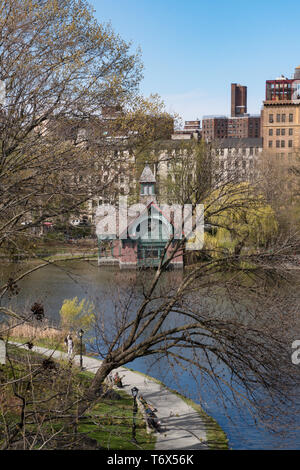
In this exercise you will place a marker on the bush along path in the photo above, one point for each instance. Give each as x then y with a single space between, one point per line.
184 425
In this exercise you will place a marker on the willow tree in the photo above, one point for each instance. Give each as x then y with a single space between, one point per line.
238 219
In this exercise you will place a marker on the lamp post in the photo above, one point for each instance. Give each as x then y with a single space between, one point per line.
134 392
80 334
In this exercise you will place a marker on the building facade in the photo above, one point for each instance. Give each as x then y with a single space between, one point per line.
236 158
238 100
214 127
143 241
191 130
281 116
239 125
223 127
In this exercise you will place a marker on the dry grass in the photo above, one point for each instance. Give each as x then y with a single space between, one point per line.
43 335
27 330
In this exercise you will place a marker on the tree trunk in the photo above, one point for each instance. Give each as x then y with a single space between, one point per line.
95 390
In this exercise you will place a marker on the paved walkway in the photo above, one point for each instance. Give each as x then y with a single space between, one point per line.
183 428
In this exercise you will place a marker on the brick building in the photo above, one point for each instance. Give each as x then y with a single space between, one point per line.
214 127
238 100
244 127
239 125
281 116
222 127
145 239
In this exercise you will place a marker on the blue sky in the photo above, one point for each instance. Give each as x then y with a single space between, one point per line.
193 50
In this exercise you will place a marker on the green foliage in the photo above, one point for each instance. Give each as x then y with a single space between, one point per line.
240 219
53 236
64 231
75 314
187 173
114 428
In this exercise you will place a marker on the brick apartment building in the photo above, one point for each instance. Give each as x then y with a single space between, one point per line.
281 116
214 127
239 125
238 100
244 127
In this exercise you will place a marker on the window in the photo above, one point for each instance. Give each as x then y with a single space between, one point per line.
151 253
270 143
270 131
271 119
277 131
290 131
290 143
283 118
277 117
291 118
282 143
277 143
282 131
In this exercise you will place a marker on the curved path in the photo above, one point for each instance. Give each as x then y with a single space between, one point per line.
183 428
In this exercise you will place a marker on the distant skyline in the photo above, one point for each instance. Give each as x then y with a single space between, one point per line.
193 50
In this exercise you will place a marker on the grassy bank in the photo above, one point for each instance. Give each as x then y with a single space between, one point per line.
216 437
51 249
39 401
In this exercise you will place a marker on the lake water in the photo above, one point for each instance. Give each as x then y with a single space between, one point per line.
51 285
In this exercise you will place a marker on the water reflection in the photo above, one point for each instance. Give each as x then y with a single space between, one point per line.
53 284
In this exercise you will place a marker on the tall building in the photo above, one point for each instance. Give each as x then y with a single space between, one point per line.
238 100
239 125
281 116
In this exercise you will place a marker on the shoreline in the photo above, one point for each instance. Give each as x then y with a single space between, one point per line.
186 425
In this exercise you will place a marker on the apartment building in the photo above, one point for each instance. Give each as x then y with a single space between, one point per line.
239 125
281 116
238 100
236 158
